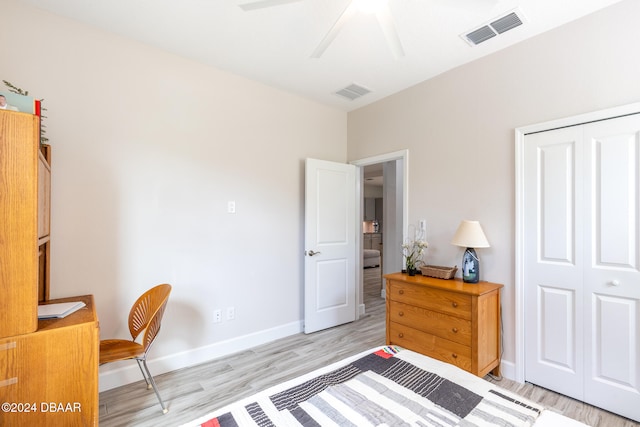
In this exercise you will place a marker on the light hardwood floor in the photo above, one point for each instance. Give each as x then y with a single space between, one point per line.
195 391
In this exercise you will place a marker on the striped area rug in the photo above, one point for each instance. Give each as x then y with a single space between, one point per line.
386 387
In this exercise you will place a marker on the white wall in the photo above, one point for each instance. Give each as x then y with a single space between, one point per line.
459 129
148 148
374 191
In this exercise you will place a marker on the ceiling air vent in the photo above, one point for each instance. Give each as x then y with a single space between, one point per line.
353 91
480 35
497 26
506 23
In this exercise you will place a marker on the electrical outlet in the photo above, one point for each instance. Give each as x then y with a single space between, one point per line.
217 316
231 313
231 206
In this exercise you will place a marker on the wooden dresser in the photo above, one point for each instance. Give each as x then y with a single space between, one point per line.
448 320
50 377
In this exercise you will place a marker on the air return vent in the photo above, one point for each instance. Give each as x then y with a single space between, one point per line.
497 26
480 35
353 91
506 23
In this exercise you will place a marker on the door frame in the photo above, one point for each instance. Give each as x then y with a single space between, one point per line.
403 156
520 133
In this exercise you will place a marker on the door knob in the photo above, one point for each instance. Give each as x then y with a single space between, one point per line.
614 283
312 253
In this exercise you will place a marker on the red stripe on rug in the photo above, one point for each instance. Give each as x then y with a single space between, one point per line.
387 352
211 423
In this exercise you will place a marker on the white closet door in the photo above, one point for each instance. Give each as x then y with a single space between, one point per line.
553 262
582 262
612 265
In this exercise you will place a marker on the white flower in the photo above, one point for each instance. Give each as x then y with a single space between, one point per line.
413 251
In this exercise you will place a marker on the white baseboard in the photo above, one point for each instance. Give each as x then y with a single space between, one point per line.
508 370
129 372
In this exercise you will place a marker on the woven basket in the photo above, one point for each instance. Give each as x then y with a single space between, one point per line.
438 271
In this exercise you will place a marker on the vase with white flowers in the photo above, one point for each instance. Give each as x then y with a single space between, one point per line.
412 250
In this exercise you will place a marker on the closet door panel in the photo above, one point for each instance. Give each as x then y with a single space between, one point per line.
615 321
614 191
556 196
553 265
612 275
556 328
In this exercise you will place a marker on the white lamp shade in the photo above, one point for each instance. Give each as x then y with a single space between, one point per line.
470 235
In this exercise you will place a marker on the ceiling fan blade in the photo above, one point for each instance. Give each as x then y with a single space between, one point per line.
262 4
346 14
390 32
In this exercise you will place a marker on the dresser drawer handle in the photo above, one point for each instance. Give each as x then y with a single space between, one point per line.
454 304
8 382
400 335
455 356
8 345
401 291
401 313
455 330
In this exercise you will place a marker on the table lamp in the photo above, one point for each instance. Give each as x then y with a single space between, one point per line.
470 235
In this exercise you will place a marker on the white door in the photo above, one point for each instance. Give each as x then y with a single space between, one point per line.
612 266
553 262
581 261
330 245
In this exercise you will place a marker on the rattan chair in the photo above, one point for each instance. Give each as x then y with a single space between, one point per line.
145 316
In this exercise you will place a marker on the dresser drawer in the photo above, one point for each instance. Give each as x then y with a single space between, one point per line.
453 303
443 325
431 345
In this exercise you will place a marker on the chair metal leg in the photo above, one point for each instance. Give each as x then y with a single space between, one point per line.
144 374
151 382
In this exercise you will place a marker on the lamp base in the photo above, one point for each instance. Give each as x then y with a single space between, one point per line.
470 266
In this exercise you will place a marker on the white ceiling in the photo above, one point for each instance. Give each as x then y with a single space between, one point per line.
274 45
373 175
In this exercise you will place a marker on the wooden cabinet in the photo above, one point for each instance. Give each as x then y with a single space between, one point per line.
48 368
19 154
50 377
448 320
25 200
